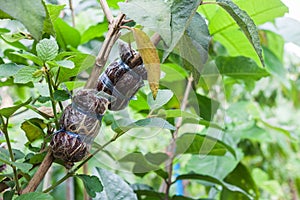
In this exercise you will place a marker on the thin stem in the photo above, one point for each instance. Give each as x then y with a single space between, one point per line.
72 13
53 103
172 147
107 11
11 154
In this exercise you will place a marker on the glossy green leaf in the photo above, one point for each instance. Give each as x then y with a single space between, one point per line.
245 23
121 128
240 68
30 56
8 111
241 178
182 11
155 15
92 184
9 69
163 96
35 196
190 143
20 10
66 35
47 49
114 187
33 129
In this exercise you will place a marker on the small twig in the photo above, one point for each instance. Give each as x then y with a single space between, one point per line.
72 13
107 11
172 147
5 132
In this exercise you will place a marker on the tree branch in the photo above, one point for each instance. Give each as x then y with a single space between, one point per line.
40 173
172 147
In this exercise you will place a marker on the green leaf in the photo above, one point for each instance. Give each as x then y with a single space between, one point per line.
182 11
66 35
66 64
142 165
274 43
199 35
120 128
8 195
241 178
240 68
114 187
265 11
207 107
9 111
18 154
92 184
13 37
47 49
33 128
93 32
275 67
191 143
9 69
35 196
81 61
61 95
30 12
30 56
52 12
227 186
245 23
25 75
5 158
154 14
163 96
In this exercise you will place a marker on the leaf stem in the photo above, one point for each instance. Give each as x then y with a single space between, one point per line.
53 103
11 154
172 147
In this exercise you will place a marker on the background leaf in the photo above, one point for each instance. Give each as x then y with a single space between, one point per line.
240 68
20 10
92 184
202 145
163 96
154 14
114 187
36 196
